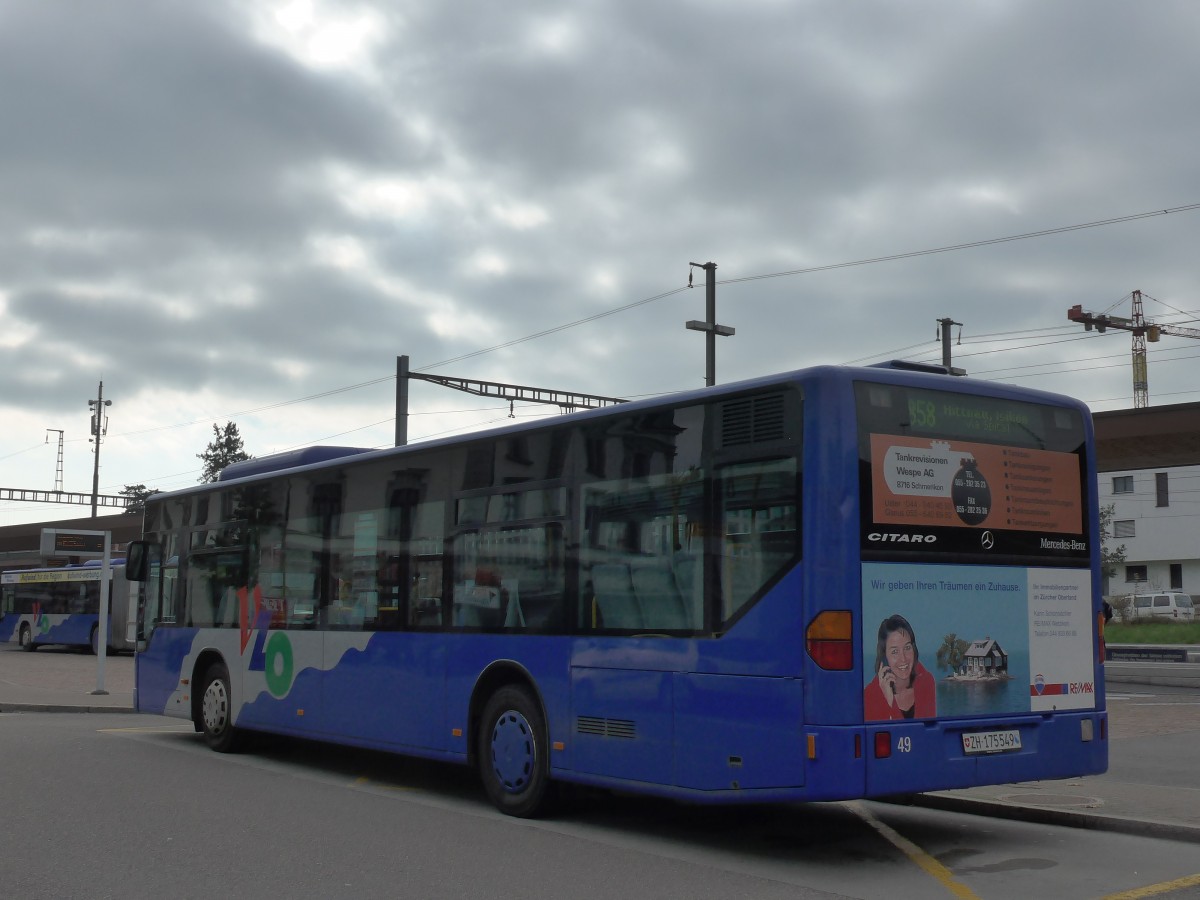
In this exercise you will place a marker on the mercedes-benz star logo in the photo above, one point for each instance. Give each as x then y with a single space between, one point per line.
988 540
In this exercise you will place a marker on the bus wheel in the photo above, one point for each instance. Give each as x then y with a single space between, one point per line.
92 640
26 639
216 711
513 761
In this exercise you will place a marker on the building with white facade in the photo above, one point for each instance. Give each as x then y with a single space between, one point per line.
1149 472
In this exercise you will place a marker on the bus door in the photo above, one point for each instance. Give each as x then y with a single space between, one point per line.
384 679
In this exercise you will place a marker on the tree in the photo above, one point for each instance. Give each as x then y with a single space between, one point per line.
225 448
136 494
952 652
1111 558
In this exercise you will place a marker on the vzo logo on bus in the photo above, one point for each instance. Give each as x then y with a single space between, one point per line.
272 654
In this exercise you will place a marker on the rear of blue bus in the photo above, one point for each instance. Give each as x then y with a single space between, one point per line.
965 646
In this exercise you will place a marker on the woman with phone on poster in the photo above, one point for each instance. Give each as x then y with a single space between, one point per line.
902 688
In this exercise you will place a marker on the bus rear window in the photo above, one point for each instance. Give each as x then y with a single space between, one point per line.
949 473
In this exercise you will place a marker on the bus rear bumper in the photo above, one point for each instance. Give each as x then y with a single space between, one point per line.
904 758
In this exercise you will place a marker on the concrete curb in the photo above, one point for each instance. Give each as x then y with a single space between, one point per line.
61 708
1050 816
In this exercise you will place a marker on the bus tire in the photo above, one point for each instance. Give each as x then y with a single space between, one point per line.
216 711
95 644
26 639
512 753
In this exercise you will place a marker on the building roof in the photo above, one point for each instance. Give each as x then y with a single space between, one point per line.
20 545
985 647
1149 438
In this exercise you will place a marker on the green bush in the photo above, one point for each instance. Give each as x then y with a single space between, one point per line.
1151 632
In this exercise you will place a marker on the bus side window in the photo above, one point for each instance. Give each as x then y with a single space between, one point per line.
212 583
760 528
79 599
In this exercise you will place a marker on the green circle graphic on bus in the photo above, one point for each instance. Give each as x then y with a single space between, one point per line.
279 665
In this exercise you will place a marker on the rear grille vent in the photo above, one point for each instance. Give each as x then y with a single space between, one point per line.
614 728
752 420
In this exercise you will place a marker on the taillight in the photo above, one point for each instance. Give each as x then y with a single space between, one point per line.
883 744
829 640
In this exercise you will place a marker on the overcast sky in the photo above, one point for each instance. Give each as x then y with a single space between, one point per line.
245 211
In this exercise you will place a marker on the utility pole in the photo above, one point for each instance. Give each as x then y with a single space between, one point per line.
99 430
709 326
401 401
58 470
944 326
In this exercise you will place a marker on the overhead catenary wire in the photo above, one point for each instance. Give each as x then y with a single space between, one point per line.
967 245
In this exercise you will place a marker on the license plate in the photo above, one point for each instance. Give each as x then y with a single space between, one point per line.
991 741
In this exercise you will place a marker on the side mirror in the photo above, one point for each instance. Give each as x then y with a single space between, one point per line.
137 561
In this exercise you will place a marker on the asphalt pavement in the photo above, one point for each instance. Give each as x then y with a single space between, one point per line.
1130 797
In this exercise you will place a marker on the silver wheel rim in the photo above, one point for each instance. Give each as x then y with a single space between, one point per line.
214 707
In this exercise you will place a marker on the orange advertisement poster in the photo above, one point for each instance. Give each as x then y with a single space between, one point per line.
961 483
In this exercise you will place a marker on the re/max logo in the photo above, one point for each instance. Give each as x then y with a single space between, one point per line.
891 537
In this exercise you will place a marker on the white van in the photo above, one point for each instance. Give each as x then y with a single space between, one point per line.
1172 605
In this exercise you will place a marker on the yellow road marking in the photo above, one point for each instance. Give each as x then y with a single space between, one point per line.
363 781
931 866
1153 890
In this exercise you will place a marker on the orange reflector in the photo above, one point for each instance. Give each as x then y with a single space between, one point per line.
829 639
456 732
831 625
558 745
812 746
883 744
1100 646
858 746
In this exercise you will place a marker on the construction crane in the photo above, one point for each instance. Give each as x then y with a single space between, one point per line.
1142 332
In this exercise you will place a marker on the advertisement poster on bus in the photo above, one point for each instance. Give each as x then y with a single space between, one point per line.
955 640
965 483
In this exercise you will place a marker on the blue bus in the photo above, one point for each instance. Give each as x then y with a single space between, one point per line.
828 584
39 607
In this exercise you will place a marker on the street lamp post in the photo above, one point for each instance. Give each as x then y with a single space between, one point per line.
99 429
709 326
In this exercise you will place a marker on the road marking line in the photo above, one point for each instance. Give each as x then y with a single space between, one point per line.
1152 890
364 781
915 853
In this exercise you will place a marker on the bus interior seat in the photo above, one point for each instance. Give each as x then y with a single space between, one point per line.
226 615
685 567
514 616
662 606
615 598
